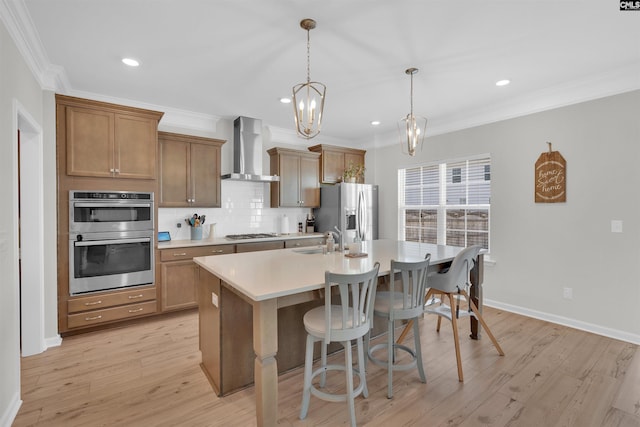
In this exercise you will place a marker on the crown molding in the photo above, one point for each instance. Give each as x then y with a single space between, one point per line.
613 82
172 118
290 136
19 25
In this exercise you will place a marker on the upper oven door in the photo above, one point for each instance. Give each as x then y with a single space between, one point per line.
90 216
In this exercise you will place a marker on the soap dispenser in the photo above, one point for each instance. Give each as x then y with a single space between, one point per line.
331 244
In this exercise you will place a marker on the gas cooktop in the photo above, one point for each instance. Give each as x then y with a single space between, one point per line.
250 236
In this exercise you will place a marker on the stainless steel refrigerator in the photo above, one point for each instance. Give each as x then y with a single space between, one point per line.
352 208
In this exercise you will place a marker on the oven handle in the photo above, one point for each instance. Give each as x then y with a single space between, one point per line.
113 204
111 242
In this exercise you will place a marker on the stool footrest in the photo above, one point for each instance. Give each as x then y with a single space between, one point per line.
395 366
331 397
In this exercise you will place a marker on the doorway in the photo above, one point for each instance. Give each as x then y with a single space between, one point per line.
30 229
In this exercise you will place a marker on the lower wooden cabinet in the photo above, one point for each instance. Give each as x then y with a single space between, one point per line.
110 306
259 246
178 285
178 275
300 243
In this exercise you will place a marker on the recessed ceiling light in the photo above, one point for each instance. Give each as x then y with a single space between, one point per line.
375 122
503 82
130 62
285 100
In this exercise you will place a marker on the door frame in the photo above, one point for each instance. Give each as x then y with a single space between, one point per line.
30 240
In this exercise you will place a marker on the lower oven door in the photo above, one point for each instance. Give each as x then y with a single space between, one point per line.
103 261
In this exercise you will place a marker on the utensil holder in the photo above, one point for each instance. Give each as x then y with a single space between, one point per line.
196 233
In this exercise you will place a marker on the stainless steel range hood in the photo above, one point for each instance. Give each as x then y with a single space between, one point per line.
247 152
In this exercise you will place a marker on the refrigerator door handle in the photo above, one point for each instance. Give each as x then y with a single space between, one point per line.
361 217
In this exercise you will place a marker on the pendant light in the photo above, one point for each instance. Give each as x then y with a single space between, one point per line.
308 98
411 128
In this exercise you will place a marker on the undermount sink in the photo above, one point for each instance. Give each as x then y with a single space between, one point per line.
309 251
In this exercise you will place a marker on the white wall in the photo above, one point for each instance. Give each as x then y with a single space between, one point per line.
541 248
16 83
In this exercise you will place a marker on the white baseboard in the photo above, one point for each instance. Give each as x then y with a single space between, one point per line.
565 321
10 413
53 341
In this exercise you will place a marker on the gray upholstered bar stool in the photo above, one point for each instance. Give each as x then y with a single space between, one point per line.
341 321
403 301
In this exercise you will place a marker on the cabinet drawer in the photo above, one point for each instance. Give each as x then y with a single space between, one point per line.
179 254
297 243
111 299
108 314
259 246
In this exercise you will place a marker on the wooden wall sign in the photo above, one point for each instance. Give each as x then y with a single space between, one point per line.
551 177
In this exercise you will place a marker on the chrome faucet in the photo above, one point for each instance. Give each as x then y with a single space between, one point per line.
340 239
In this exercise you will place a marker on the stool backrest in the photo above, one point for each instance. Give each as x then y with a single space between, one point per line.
412 285
356 294
457 277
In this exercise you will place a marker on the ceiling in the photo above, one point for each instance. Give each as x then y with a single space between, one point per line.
229 58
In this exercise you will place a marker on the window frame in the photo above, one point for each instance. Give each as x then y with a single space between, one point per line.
442 207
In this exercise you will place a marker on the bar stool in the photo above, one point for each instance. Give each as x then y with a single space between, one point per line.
406 303
451 285
348 320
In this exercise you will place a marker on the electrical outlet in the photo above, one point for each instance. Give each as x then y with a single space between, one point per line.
567 293
616 226
214 299
179 225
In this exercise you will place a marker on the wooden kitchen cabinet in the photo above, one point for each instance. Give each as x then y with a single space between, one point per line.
178 275
189 170
259 246
298 171
109 141
334 160
300 243
110 306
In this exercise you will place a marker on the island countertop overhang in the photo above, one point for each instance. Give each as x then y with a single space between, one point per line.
278 273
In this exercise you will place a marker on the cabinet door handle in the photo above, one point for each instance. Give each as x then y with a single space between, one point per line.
117 170
135 296
93 303
217 251
180 254
112 170
136 310
93 318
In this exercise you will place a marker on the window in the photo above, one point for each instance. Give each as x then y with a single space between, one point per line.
446 203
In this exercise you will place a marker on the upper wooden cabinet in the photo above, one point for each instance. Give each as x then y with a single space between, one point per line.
107 140
298 171
335 160
189 170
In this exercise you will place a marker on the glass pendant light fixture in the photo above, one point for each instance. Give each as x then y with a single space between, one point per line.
308 98
411 128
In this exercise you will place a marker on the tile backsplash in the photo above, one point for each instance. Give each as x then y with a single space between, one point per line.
245 209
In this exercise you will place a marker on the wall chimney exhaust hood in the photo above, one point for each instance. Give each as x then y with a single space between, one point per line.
247 152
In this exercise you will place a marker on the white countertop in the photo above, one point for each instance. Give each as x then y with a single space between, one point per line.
224 241
271 274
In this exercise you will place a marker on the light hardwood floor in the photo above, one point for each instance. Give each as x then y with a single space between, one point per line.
148 374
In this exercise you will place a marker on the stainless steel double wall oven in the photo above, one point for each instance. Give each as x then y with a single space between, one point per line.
111 240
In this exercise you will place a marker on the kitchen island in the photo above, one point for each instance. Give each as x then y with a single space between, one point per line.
269 281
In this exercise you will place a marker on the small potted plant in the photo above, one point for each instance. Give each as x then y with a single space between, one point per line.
353 173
